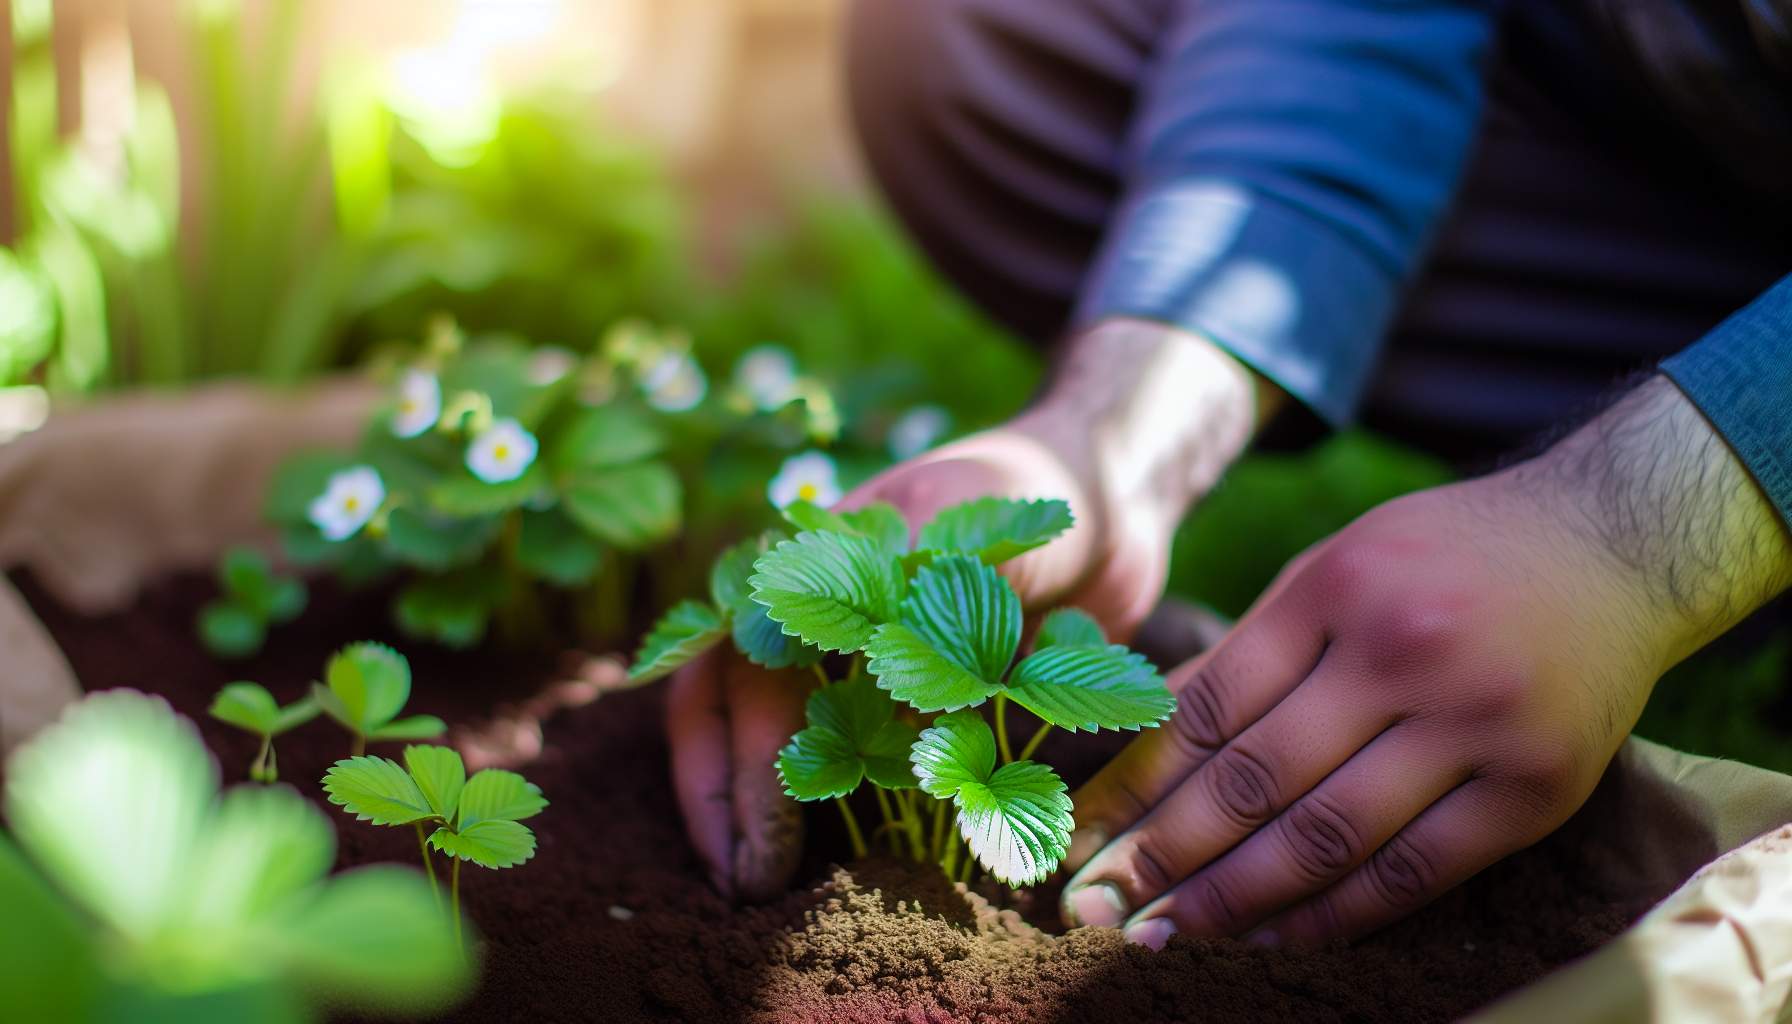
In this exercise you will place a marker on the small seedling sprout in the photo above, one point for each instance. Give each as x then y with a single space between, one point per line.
929 634
253 598
365 687
251 708
474 819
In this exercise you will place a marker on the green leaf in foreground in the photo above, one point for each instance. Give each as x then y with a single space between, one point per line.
494 794
1069 627
489 844
852 735
688 629
376 789
1015 819
996 529
756 635
439 774
879 521
830 589
959 629
1091 688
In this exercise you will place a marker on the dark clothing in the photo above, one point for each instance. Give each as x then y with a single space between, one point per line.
1457 221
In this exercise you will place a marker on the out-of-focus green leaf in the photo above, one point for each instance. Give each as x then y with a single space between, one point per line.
631 506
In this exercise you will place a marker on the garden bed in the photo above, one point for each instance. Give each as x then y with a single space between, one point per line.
613 919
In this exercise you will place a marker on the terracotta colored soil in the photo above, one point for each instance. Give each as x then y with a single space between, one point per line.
612 920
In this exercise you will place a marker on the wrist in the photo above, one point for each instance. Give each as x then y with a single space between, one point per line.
1151 415
1664 507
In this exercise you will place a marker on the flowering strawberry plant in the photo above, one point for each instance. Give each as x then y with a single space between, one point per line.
908 644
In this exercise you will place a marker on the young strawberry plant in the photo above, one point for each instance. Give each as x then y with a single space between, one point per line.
365 687
253 598
470 819
134 891
494 474
928 634
251 708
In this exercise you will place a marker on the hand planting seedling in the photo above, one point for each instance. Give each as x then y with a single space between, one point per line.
931 632
254 598
365 687
135 891
251 708
474 819
493 469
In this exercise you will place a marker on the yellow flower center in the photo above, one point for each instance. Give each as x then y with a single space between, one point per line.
501 452
351 504
807 491
407 406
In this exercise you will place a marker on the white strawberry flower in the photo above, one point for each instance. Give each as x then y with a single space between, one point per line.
419 403
548 364
349 500
766 374
917 430
503 451
810 476
674 383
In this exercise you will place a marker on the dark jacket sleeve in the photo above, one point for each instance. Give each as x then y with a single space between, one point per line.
1287 164
1740 377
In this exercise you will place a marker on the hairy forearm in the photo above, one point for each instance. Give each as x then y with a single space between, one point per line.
1658 493
1154 413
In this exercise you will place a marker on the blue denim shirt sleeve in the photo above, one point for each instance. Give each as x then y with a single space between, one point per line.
1740 377
1284 172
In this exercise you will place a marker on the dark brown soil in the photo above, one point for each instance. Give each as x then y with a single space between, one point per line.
612 919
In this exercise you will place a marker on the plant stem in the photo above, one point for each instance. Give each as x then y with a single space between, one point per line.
454 886
820 673
852 828
939 829
359 747
858 667
1033 744
964 874
1002 728
911 814
883 804
429 867
949 855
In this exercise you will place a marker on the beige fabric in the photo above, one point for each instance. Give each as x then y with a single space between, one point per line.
35 679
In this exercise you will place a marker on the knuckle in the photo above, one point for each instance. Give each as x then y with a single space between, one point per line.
1348 569
1242 786
1208 900
1414 631
1196 724
1146 864
1321 840
1402 873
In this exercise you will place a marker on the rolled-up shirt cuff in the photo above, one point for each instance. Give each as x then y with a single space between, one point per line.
1740 377
1283 291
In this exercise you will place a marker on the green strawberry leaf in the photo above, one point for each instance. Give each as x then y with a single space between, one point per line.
1016 818
491 844
958 748
853 734
917 674
371 683
879 521
296 714
551 547
464 495
245 575
230 630
1017 823
248 706
1069 627
996 529
1091 688
632 507
608 435
728 579
452 608
415 727
806 515
688 629
440 775
757 636
297 483
262 846
498 795
436 542
376 789
959 629
287 599
830 589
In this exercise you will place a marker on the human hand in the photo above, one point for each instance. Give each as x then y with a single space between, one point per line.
1438 685
727 719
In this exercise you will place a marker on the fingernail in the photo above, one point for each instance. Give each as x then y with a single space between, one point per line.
1153 933
1264 937
1098 905
1084 843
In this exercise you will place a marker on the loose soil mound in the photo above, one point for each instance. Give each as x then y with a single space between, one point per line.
612 920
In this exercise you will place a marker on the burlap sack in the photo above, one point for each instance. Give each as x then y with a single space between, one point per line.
104 498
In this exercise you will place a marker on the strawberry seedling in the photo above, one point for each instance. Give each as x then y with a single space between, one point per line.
470 819
365 687
929 634
254 598
251 708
